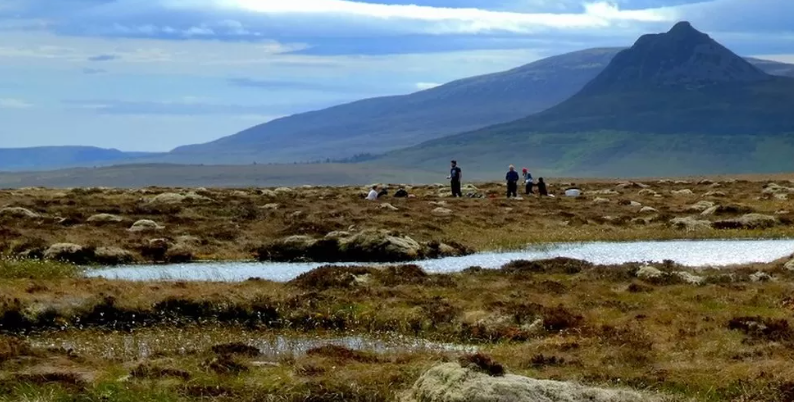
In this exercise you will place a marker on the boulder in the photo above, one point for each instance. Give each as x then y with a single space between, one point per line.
789 265
700 206
283 190
271 207
600 200
710 211
604 192
705 182
749 221
648 193
380 246
449 382
144 225
691 279
690 224
239 193
268 193
760 277
781 196
442 212
113 256
648 210
635 204
649 273
105 218
684 192
17 212
70 252
167 199
715 194
388 206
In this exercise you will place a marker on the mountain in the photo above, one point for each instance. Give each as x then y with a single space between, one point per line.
40 158
674 103
381 124
773 67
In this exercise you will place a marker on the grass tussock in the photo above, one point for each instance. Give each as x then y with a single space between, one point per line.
14 268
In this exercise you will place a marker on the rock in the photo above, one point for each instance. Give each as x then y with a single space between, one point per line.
648 210
715 194
17 212
337 234
442 212
271 207
789 265
781 196
760 277
144 225
749 221
167 198
700 206
70 252
774 188
648 272
648 193
600 200
680 182
268 193
710 211
715 185
239 193
105 218
380 246
438 203
690 224
632 185
192 241
449 382
180 253
113 256
283 190
388 207
782 212
469 187
705 182
635 204
690 278
684 192
604 192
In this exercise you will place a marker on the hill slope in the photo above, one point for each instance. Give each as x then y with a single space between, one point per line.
382 124
674 103
39 158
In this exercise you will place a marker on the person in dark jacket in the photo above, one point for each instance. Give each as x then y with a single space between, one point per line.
528 181
512 182
542 187
455 177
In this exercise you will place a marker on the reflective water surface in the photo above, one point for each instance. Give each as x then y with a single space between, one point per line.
693 253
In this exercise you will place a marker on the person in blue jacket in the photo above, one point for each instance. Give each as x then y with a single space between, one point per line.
512 182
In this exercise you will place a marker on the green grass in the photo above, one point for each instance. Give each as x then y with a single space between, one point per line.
36 269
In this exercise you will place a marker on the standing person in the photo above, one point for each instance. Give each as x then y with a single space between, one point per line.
542 187
455 176
512 182
528 181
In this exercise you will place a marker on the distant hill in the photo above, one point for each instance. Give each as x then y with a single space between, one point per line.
674 103
41 158
381 124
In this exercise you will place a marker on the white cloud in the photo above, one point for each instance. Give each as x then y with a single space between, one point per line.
782 58
11 103
426 85
443 20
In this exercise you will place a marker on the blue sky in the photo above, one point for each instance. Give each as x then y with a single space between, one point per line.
149 75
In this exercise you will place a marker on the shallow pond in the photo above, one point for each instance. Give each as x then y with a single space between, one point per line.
272 345
693 253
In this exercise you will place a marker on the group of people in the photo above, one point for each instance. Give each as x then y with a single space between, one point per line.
456 176
512 178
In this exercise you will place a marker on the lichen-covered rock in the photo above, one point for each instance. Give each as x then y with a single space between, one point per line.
176 198
700 206
283 190
691 279
789 265
105 218
648 210
449 382
271 207
760 277
388 206
715 194
268 193
17 212
684 192
70 252
690 224
648 272
603 192
442 212
599 200
648 193
144 225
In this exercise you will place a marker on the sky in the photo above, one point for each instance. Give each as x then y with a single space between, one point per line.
150 75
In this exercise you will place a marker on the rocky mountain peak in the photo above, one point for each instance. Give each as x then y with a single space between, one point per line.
683 56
